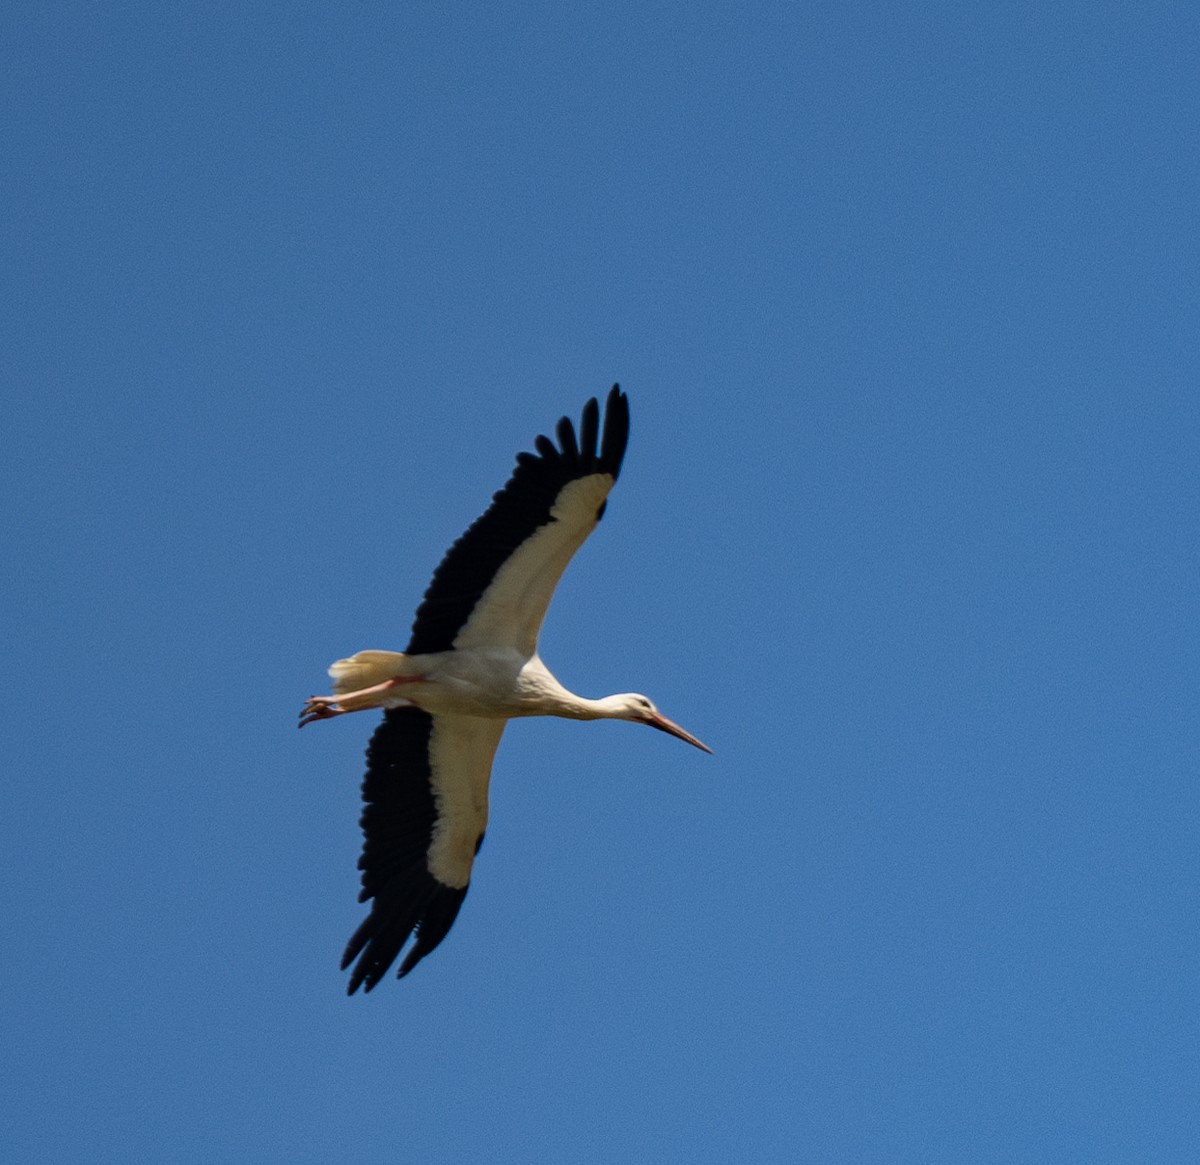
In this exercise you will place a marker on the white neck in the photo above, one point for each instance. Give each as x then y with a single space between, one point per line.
606 708
553 699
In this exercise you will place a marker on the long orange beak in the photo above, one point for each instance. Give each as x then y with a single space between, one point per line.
659 721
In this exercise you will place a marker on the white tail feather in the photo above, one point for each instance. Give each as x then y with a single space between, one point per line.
365 669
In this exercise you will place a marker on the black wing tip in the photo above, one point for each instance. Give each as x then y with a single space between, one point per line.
616 431
377 943
592 451
565 432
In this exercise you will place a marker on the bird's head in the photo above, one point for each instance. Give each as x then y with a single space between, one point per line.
641 710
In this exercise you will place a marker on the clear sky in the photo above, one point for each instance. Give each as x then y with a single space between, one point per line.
905 301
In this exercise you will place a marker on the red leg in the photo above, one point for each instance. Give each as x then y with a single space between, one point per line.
326 707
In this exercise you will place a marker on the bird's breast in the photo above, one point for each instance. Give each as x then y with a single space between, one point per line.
476 682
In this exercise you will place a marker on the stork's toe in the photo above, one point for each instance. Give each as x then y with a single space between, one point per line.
319 708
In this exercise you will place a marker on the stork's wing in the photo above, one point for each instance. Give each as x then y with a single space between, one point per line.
495 583
426 794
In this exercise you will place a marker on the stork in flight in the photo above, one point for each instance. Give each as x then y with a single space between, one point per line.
471 666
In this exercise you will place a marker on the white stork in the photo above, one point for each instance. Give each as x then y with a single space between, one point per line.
471 666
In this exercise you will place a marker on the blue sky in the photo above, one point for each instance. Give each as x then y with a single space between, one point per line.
905 301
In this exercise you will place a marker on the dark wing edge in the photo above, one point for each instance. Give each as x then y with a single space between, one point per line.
397 823
517 510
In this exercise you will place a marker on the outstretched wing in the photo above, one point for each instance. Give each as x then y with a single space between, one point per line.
426 794
495 583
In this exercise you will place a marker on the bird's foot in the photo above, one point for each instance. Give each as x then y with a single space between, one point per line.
319 708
